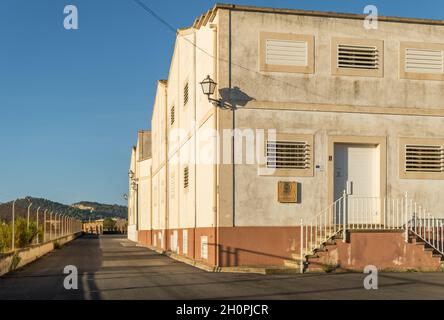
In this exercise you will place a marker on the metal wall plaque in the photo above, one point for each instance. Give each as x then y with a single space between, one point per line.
287 192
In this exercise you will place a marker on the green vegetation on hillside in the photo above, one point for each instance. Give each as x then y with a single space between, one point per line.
101 211
118 211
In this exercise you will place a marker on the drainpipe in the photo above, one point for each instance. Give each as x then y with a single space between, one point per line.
166 165
234 119
195 151
151 200
215 165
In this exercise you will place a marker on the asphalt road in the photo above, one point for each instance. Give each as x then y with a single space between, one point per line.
111 267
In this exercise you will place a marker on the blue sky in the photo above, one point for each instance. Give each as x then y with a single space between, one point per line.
71 102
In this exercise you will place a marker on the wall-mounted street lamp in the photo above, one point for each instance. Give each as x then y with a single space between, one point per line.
208 88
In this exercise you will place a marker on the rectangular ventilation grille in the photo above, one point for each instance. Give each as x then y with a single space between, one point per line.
424 61
286 52
422 158
172 187
358 57
288 155
185 177
185 94
172 115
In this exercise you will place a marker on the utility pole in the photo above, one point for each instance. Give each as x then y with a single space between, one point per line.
13 225
37 224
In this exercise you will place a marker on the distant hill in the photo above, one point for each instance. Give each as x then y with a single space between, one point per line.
82 210
100 208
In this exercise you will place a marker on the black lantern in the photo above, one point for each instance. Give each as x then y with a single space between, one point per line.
208 86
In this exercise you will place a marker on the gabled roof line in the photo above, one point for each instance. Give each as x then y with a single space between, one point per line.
210 14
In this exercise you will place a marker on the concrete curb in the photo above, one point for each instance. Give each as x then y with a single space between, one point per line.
15 260
205 267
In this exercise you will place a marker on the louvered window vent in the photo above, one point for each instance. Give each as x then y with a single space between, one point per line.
286 52
172 187
185 177
358 57
172 115
185 94
288 155
424 158
424 61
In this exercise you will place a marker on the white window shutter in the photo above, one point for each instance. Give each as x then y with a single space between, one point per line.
286 52
424 61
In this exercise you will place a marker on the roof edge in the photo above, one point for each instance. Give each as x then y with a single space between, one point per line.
325 14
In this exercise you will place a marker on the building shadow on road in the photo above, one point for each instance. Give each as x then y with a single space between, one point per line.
88 270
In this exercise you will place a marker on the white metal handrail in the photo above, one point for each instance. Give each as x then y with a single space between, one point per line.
370 213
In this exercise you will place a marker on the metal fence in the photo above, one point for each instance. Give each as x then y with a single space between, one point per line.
32 227
371 213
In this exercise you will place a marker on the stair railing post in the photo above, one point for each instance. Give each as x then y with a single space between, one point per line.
442 238
344 215
301 266
406 217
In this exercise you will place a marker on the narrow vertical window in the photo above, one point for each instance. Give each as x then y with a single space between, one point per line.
185 94
172 115
185 177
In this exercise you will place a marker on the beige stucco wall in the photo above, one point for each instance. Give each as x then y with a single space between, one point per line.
159 199
257 195
158 169
322 87
131 192
191 65
144 198
158 123
256 198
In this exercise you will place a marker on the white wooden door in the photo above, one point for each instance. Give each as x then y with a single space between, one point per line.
356 171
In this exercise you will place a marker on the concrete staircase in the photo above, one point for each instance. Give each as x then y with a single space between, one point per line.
414 239
319 261
329 257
